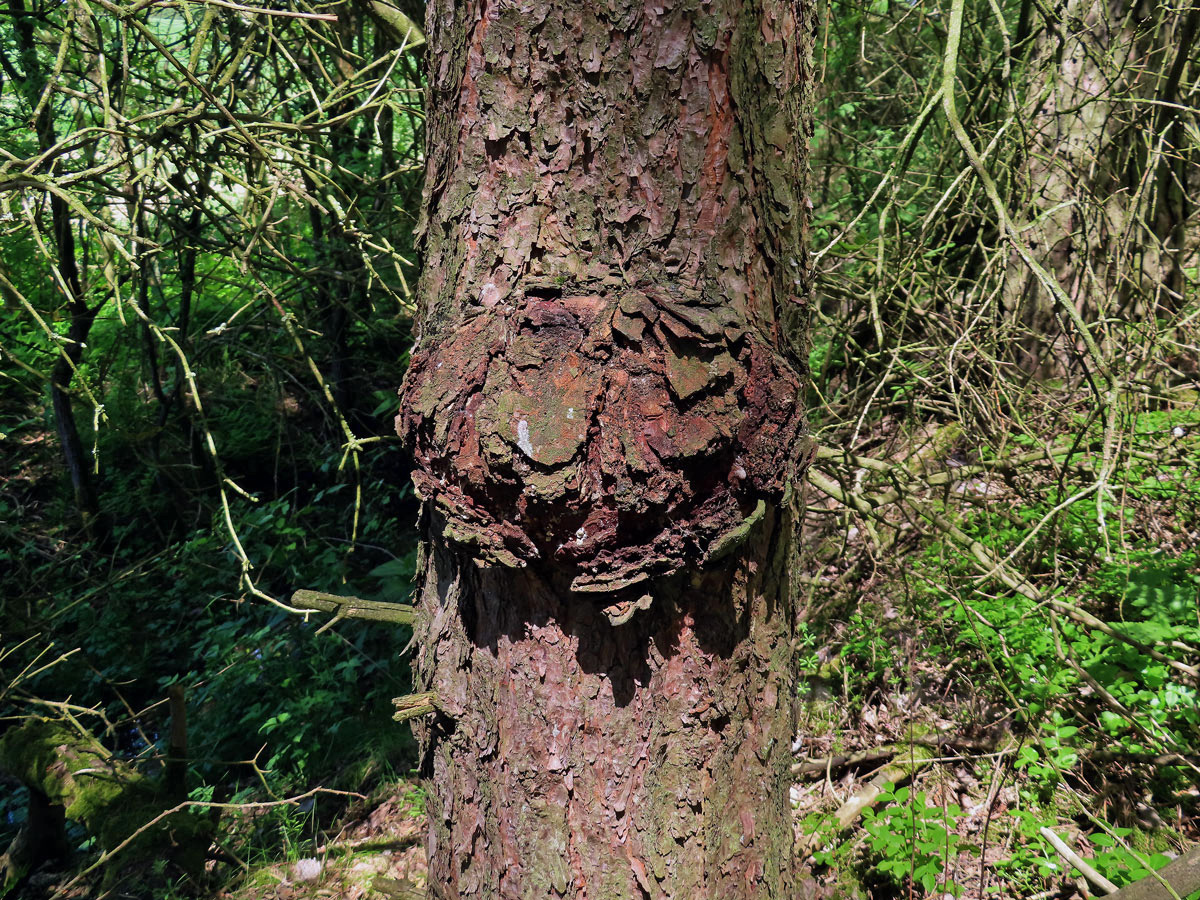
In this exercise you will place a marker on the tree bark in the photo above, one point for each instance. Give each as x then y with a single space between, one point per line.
604 409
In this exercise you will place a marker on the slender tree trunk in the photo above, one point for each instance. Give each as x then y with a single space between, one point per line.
63 239
606 422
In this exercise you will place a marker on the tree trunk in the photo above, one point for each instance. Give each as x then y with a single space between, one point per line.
1104 172
606 421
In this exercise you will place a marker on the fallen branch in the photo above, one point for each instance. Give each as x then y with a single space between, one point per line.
396 889
843 760
889 751
369 845
883 752
895 775
71 775
1074 859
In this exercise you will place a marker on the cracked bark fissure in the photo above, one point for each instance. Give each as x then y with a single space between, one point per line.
605 419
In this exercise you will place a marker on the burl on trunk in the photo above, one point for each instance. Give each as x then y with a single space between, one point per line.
604 410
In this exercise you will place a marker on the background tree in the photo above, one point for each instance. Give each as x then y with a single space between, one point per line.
1104 174
169 181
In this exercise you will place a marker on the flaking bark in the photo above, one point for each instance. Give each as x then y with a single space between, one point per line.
573 758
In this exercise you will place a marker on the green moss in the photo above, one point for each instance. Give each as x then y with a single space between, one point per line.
71 770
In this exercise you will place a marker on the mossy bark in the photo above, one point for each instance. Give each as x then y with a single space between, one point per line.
604 407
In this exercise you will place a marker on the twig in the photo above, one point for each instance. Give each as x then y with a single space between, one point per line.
1077 861
896 774
413 706
258 10
888 751
65 889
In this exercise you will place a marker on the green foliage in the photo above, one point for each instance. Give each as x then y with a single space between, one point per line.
907 840
914 840
1047 760
1031 861
1094 685
1117 863
223 469
226 295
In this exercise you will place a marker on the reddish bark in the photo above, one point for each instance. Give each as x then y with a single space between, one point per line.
605 420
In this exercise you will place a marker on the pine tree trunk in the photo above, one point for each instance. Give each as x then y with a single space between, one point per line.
605 415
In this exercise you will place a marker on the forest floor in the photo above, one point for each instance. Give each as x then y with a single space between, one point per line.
920 778
378 851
